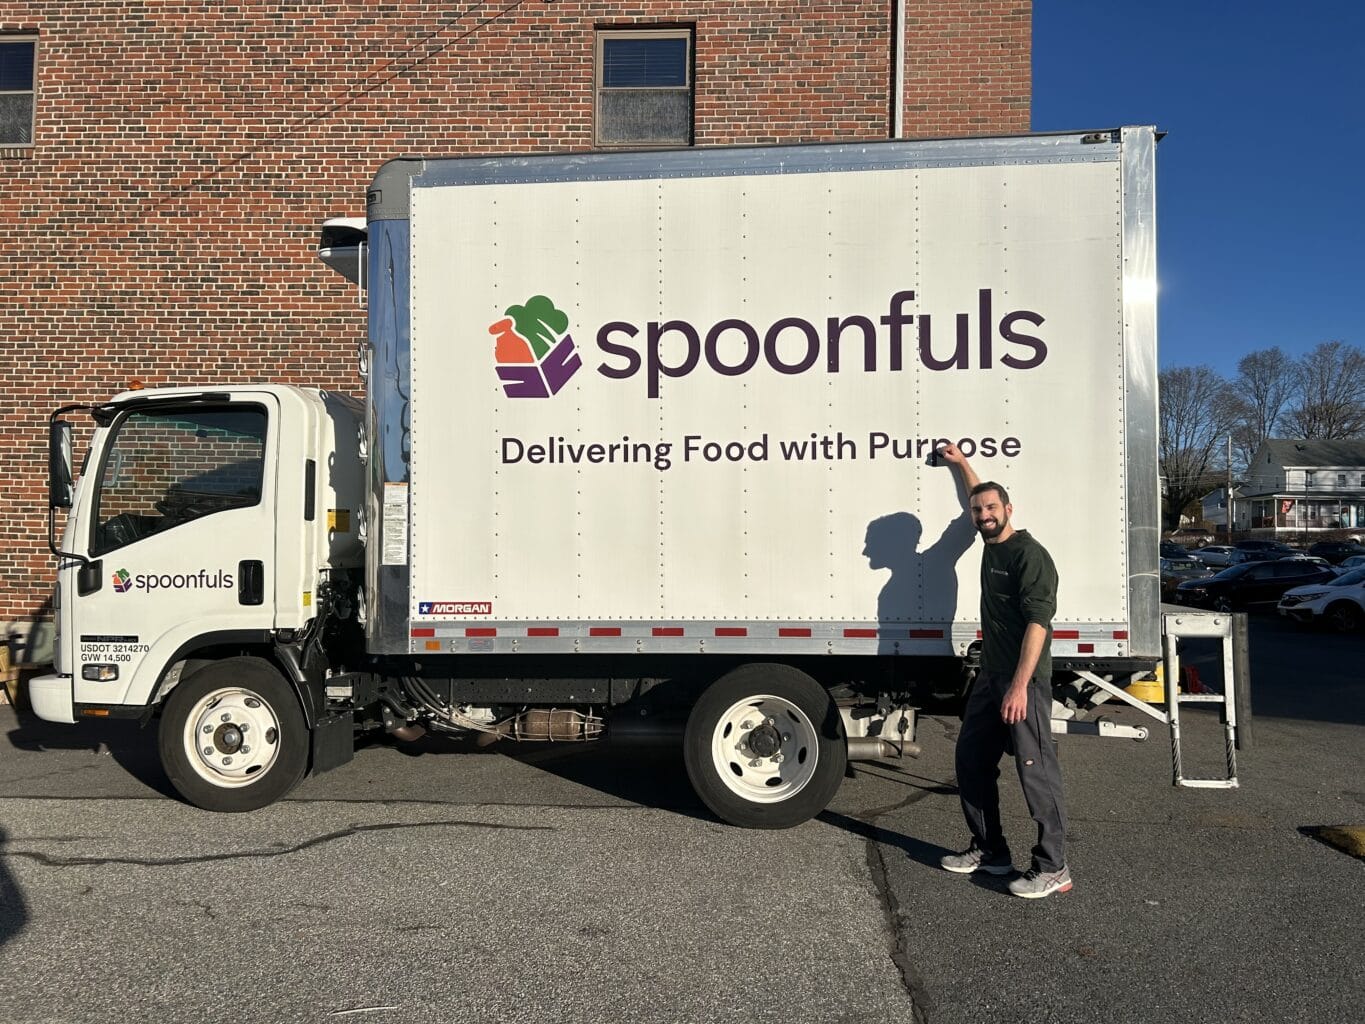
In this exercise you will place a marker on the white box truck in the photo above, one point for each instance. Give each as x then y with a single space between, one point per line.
644 441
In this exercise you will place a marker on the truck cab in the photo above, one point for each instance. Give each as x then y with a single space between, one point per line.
203 519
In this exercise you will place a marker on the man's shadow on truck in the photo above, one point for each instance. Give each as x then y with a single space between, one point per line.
922 589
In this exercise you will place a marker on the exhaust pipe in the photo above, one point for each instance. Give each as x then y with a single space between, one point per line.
874 748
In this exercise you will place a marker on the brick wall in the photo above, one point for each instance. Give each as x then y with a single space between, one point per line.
163 225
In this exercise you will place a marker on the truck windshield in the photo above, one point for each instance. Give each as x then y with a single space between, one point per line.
168 466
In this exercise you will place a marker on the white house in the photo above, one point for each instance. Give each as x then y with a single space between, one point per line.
1214 509
1303 488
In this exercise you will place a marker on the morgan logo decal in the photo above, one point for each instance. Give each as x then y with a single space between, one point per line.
534 351
454 607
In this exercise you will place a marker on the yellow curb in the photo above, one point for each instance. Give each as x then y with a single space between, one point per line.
1347 838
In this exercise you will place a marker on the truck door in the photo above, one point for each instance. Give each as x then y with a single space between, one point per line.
181 539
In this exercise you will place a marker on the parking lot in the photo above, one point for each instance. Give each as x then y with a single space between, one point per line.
581 884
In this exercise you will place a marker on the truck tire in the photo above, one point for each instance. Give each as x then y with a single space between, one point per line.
233 736
764 747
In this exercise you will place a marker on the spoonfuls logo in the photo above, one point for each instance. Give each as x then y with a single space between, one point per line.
534 351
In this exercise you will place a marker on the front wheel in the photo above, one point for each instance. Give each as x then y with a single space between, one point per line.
233 736
764 747
1344 617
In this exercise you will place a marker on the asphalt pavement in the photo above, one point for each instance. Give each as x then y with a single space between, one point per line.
442 883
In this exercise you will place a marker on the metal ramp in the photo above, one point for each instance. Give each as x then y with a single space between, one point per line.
1177 626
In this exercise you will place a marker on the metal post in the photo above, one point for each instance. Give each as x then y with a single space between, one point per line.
1172 672
1228 493
1241 672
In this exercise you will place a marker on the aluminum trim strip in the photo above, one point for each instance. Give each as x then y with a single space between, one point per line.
1138 175
715 161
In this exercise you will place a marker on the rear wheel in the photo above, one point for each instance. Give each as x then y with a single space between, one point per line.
233 736
764 747
1344 617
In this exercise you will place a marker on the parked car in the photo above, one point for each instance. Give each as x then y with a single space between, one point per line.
1220 555
1192 535
1336 550
1251 583
1299 556
1265 550
1175 571
1354 562
1170 549
1339 603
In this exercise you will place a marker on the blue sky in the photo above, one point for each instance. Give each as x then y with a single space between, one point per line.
1261 179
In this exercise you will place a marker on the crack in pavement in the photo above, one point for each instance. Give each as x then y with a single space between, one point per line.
48 860
878 839
911 980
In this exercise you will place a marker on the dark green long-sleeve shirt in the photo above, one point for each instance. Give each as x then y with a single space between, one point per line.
1018 586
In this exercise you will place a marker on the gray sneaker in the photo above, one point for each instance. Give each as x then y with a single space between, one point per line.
974 859
1034 884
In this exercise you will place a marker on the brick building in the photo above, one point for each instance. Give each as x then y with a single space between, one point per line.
165 165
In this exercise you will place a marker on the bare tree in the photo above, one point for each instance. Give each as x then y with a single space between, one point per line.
1331 393
1265 384
1197 411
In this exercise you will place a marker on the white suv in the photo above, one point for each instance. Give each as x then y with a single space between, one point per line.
1340 603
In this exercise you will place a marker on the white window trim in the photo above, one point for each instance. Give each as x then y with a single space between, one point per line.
689 87
24 37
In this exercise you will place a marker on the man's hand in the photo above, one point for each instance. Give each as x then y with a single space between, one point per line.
951 454
1014 708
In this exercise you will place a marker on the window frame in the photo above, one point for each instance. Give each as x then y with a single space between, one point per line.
9 39
110 453
600 37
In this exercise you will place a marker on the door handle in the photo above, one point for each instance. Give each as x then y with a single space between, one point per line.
251 582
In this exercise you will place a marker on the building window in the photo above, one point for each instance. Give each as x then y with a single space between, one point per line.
16 90
1341 479
1308 478
644 88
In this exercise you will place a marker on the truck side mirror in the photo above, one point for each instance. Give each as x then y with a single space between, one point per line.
60 492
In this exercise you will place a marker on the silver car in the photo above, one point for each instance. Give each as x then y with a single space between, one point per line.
1221 555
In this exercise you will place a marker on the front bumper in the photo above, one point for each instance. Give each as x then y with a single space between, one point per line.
51 698
1189 600
1297 612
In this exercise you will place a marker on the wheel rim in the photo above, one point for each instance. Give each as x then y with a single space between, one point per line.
764 749
232 737
1344 620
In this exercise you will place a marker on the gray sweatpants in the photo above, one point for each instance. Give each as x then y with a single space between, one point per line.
984 739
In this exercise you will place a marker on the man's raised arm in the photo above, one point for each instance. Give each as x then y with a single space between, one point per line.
952 455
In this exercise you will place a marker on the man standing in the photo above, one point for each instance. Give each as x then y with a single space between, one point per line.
1010 705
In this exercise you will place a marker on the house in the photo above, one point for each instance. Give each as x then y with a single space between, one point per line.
1214 509
165 168
1304 488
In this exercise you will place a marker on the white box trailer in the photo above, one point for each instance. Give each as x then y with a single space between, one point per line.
645 437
